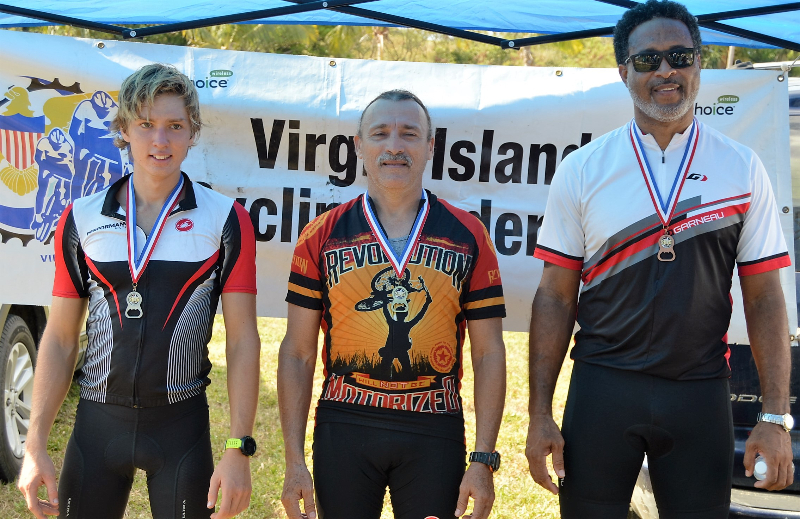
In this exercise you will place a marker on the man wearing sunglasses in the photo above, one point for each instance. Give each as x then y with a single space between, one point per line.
656 253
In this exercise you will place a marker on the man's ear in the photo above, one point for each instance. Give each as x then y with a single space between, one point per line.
357 144
623 73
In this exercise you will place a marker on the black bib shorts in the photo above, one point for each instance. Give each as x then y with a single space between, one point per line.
613 417
171 443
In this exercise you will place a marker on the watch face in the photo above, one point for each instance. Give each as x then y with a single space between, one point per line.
248 446
788 421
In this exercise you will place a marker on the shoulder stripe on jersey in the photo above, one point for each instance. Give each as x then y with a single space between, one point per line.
558 258
304 281
484 293
749 268
303 301
486 312
99 276
209 263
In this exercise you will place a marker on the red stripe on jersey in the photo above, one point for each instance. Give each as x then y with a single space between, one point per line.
97 273
62 284
715 202
556 259
677 228
765 266
204 268
627 252
243 275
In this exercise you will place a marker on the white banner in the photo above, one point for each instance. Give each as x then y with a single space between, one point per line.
279 138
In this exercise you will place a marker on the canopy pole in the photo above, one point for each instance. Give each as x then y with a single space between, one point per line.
62 20
241 17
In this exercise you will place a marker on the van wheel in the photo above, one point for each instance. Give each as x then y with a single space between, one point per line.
17 361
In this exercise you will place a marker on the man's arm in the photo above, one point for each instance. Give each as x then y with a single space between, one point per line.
767 327
489 364
296 361
55 365
552 322
242 351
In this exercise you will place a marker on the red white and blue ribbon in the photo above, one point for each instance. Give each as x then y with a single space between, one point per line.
400 263
137 264
665 208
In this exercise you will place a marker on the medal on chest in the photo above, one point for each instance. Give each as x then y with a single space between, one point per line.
138 262
665 207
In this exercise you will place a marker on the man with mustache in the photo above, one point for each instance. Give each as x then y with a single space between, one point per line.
392 277
651 372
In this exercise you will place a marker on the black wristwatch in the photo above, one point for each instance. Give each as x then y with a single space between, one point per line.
491 459
246 444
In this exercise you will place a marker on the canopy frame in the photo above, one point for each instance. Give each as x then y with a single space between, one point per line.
709 21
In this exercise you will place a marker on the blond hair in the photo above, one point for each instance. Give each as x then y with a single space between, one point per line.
141 89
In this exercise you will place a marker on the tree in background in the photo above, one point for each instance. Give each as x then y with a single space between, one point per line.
403 44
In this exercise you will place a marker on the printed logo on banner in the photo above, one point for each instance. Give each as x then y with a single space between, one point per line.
723 106
55 147
215 79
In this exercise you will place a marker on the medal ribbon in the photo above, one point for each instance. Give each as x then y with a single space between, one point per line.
670 204
400 263
138 264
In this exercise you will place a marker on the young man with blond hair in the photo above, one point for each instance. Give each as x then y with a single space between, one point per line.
149 257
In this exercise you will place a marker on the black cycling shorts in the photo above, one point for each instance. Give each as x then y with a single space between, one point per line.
613 417
353 465
170 443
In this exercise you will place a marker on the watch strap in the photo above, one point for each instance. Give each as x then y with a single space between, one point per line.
777 419
233 443
490 459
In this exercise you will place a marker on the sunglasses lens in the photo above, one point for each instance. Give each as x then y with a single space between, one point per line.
681 58
646 62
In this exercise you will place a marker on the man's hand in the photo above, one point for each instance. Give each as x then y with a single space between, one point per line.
544 438
477 483
232 476
775 445
38 470
297 485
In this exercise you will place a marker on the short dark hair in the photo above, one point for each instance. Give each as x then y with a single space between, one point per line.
397 95
647 11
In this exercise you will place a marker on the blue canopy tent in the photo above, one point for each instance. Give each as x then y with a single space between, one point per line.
746 23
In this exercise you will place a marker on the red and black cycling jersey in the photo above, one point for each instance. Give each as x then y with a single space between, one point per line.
635 312
393 343
206 247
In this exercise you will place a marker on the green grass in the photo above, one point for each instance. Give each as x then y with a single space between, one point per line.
517 494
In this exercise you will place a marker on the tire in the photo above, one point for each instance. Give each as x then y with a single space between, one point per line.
17 362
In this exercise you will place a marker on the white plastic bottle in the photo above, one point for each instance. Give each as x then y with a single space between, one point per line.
760 468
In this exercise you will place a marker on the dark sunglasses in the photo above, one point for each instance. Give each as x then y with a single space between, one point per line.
650 61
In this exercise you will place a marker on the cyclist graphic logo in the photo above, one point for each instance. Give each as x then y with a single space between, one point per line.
391 296
55 147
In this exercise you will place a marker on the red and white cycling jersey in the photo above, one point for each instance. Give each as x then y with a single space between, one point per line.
636 312
206 247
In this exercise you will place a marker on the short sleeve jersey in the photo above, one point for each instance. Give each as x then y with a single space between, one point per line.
206 247
393 344
638 313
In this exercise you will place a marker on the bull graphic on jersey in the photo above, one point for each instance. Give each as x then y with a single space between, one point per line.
391 295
